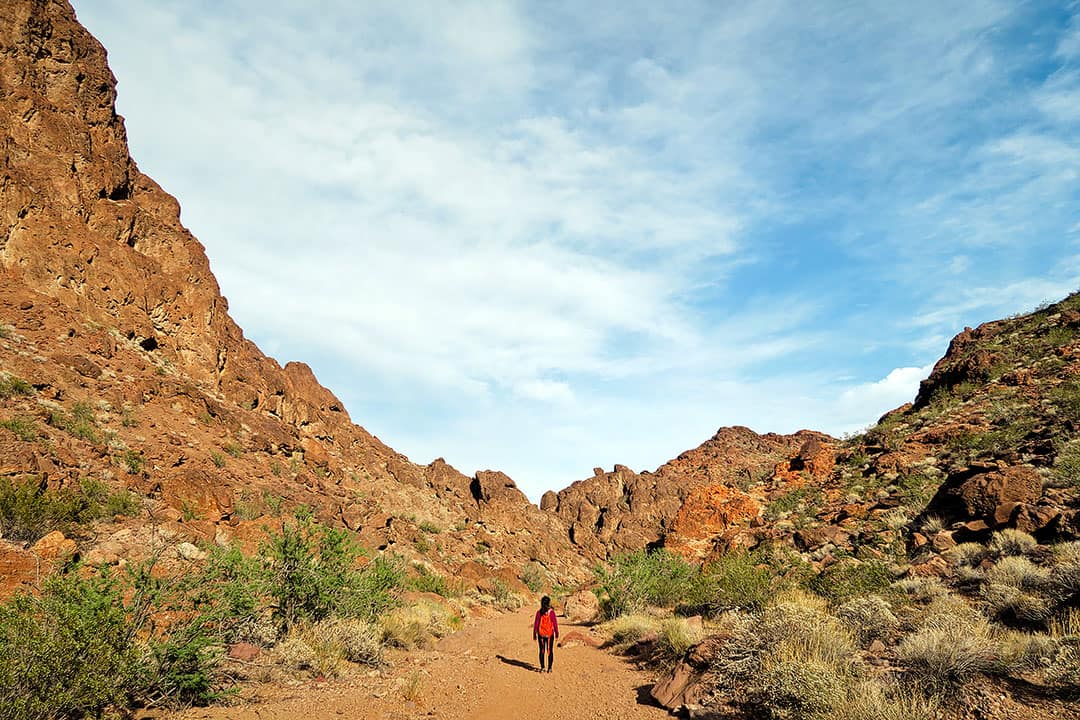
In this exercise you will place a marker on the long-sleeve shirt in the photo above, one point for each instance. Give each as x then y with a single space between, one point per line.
554 622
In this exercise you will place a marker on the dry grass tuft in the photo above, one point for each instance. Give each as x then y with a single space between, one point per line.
626 630
942 660
869 618
868 700
1010 542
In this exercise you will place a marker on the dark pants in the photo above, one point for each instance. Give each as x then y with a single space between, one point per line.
547 643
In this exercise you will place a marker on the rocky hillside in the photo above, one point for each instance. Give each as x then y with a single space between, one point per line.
690 502
120 364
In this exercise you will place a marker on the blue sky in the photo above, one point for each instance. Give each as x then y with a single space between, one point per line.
541 237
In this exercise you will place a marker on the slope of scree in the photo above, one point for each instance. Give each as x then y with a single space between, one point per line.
139 377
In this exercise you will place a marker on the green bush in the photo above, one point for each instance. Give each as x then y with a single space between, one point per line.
1067 465
79 422
186 665
533 577
24 428
843 581
429 581
29 511
309 570
735 580
1066 399
69 652
10 386
634 581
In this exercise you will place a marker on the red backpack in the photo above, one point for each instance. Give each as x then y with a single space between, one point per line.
547 628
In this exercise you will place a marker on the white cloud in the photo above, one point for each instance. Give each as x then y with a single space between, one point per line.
542 237
871 400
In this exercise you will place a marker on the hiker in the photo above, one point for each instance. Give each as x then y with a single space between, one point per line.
546 631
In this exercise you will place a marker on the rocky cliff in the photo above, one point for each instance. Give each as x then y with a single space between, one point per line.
110 314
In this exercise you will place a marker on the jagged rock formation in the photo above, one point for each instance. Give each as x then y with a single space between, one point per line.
107 301
691 500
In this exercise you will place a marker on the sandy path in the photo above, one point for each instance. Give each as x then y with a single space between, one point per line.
486 671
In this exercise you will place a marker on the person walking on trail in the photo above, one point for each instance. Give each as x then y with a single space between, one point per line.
546 631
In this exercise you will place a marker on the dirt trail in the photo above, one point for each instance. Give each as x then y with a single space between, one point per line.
487 671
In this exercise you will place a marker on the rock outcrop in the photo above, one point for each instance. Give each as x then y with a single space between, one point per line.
108 305
696 495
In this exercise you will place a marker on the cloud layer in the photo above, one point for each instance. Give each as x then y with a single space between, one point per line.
546 236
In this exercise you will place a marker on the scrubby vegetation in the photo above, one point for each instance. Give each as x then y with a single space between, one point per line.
93 642
795 645
30 510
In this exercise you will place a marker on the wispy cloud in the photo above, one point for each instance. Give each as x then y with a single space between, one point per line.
541 236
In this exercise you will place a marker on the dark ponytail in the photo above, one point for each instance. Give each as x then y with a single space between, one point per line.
545 604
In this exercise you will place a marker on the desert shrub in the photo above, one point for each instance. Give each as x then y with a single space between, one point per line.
24 428
793 688
675 637
321 648
792 659
415 625
800 626
295 653
504 597
1023 652
967 554
429 527
227 595
852 578
869 618
10 386
1066 471
1010 603
1018 572
1066 399
634 581
627 629
869 700
943 660
185 665
360 642
133 462
1063 669
733 581
533 577
1010 542
949 613
79 422
427 580
921 589
29 510
69 652
310 572
932 525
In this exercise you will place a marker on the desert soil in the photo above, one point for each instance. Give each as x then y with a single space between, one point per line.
486 671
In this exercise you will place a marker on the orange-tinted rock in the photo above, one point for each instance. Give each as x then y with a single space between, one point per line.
55 550
18 570
706 513
244 652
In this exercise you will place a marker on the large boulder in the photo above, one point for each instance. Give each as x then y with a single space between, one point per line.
581 607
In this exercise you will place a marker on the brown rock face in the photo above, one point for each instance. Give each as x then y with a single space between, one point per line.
624 511
108 304
988 495
707 516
